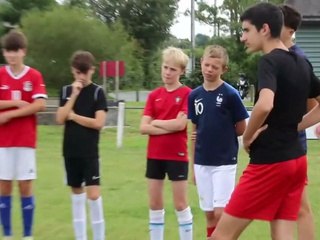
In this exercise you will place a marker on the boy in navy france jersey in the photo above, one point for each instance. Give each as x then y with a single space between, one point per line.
22 95
218 118
292 20
83 109
164 120
271 186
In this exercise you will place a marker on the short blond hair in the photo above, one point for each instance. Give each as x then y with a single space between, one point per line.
176 55
216 51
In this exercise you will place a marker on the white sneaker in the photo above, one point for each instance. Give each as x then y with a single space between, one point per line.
27 238
7 238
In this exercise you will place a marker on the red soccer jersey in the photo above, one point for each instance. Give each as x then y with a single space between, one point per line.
164 105
27 86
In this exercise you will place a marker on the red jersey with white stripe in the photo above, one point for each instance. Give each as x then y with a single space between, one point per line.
164 105
27 86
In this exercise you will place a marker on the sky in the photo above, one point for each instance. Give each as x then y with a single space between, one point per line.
182 27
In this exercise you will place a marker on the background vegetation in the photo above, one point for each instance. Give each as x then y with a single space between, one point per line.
134 31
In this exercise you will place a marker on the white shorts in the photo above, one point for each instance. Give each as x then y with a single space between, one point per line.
17 163
215 185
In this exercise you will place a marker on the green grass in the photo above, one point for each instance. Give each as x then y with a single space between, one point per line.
124 189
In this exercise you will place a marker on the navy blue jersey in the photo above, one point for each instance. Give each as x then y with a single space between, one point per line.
215 114
297 50
302 134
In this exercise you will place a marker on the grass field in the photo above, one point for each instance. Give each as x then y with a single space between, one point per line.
124 189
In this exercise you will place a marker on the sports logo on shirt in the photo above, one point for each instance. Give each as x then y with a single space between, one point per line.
27 86
198 106
4 87
219 99
16 95
178 99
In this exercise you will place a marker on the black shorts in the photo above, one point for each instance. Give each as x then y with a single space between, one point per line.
176 170
82 171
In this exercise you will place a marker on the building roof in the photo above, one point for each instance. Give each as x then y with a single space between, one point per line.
309 9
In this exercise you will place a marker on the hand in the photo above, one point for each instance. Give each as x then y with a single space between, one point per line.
180 115
247 142
4 117
71 115
76 87
317 131
194 136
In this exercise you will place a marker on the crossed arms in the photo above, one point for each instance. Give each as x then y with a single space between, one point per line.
66 113
21 108
159 127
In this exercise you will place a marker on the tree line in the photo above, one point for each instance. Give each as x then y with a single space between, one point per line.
131 30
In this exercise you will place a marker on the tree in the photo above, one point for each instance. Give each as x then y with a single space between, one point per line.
210 15
148 22
51 45
14 9
76 3
201 40
228 16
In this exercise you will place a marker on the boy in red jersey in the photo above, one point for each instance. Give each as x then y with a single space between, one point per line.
22 95
165 120
271 186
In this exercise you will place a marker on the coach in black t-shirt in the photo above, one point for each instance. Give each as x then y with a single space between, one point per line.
271 186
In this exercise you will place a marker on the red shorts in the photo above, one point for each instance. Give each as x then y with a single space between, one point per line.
269 191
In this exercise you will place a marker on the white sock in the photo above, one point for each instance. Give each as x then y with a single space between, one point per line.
97 219
79 216
156 224
185 224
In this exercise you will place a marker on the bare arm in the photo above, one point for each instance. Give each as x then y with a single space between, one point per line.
29 109
4 104
311 103
312 117
147 128
174 125
240 127
193 147
259 114
96 123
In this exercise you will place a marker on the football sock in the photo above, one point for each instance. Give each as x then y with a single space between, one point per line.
79 216
156 224
97 219
5 212
27 205
185 224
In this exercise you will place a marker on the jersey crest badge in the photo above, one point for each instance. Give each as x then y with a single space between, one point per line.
219 99
178 99
27 86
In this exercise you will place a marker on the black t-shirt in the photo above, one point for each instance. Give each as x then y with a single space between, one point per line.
80 141
292 80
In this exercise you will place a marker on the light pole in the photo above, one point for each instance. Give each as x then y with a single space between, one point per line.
192 37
